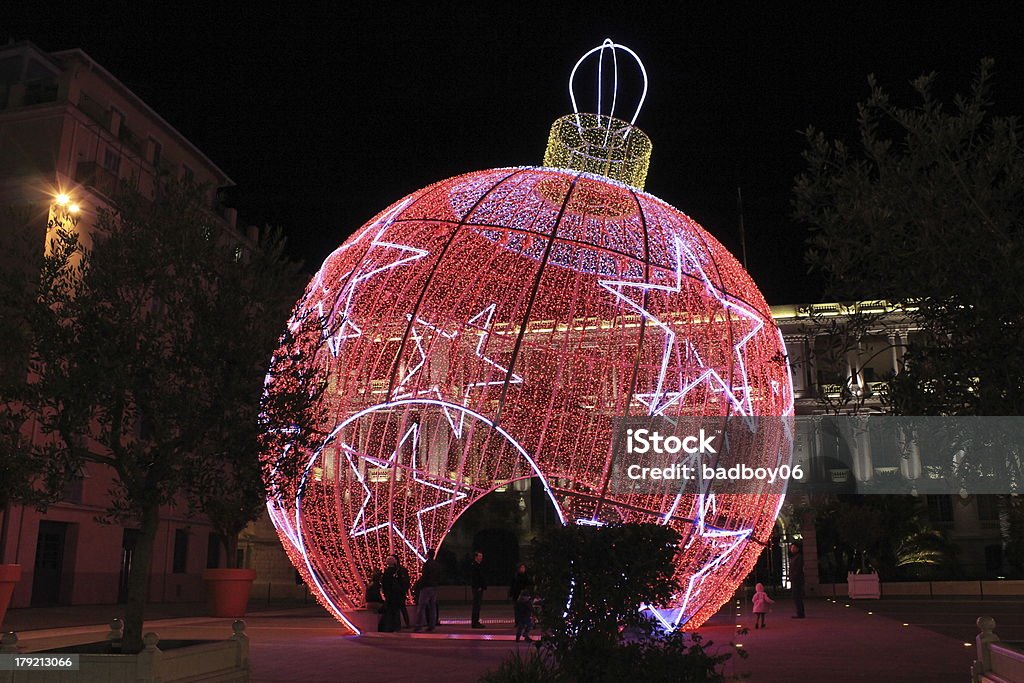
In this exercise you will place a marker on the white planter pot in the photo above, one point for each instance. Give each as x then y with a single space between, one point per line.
863 586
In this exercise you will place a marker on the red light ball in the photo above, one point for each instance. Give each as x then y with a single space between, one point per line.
487 329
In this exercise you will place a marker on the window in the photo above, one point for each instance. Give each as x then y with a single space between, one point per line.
112 161
93 109
180 561
72 492
940 509
988 508
38 92
238 254
116 119
158 152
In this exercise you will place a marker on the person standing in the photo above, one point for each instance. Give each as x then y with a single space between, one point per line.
373 594
404 583
520 580
430 579
520 592
796 578
393 588
761 602
478 584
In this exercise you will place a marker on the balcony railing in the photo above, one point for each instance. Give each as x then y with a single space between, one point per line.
94 110
131 140
97 177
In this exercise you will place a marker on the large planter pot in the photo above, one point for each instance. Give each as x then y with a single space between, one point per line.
227 591
10 574
863 585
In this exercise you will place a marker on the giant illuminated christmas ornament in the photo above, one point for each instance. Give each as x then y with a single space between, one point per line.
489 327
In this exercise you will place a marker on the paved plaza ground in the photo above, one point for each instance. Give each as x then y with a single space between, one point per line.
835 643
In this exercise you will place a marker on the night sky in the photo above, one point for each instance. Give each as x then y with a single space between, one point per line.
325 113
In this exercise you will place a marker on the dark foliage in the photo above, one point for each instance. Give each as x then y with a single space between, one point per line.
592 582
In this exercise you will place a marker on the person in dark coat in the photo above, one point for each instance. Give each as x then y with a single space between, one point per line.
393 588
373 595
478 584
430 579
520 580
520 591
404 582
796 578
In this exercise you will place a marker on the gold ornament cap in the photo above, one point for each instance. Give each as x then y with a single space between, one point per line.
600 143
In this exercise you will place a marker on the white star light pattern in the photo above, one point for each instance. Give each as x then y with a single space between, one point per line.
660 399
348 329
434 390
361 526
724 541
483 328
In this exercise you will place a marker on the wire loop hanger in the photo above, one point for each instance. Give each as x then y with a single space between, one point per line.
608 44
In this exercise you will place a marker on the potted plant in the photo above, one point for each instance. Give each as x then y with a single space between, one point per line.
861 527
234 496
230 483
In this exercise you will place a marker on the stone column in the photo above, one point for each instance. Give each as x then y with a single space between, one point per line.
819 469
910 454
812 585
863 466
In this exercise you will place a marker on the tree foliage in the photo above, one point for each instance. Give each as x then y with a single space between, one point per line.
26 475
892 535
927 211
148 340
593 582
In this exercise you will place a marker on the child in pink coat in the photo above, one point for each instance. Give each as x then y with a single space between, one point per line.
761 602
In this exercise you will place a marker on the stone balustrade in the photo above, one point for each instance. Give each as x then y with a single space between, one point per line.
997 662
224 661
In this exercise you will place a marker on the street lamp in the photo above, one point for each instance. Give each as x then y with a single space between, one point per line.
66 204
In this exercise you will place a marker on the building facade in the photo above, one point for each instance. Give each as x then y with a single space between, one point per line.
841 356
71 136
